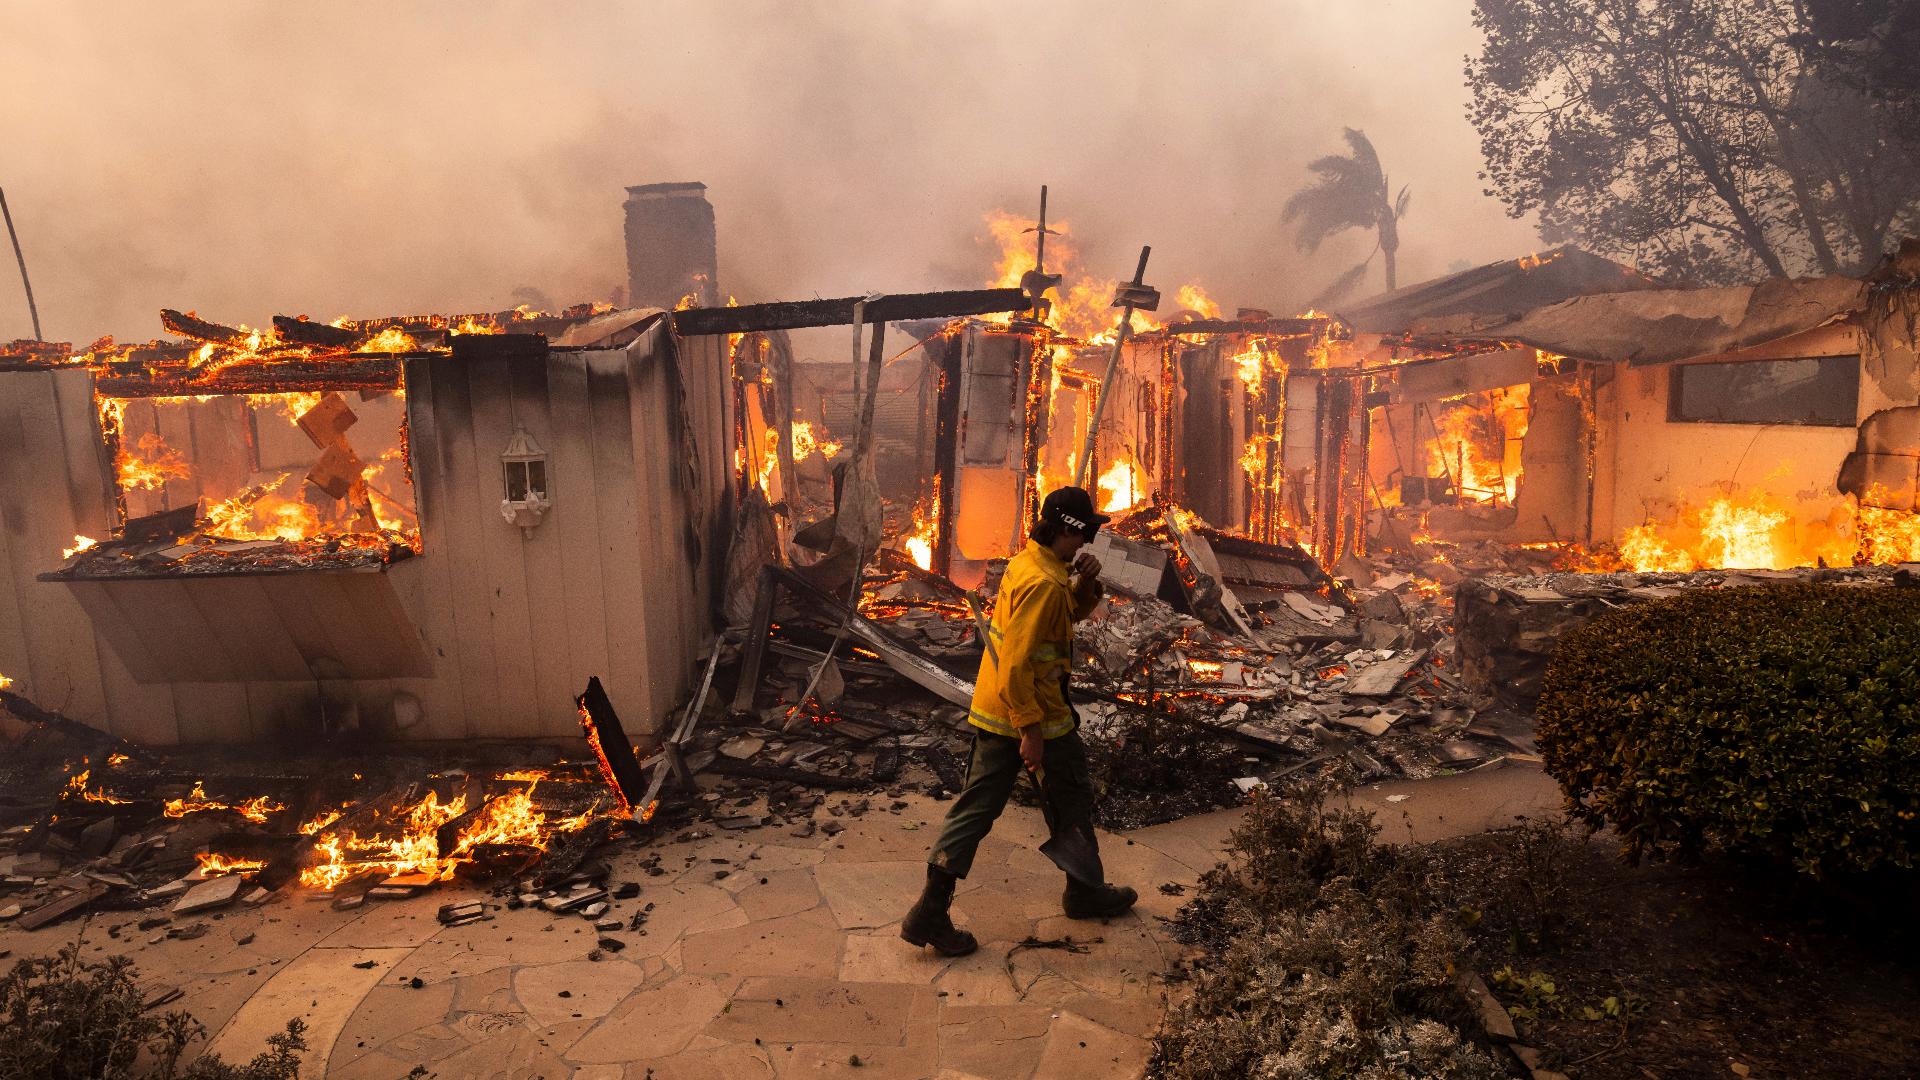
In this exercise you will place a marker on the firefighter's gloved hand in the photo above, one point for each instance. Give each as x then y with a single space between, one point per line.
1032 747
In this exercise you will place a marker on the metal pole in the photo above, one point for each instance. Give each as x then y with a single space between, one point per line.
22 259
1113 367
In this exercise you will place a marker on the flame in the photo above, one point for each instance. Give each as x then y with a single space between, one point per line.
1251 365
80 544
412 844
114 761
600 757
1759 530
321 821
212 865
5 682
1479 443
806 442
255 809
1205 669
77 786
1120 486
390 340
918 543
1083 308
1195 299
1888 536
153 465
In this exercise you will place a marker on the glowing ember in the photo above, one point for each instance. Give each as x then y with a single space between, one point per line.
80 544
255 809
1205 669
5 682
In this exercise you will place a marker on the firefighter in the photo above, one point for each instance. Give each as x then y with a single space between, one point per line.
1022 719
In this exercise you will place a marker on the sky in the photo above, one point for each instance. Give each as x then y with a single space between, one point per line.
242 160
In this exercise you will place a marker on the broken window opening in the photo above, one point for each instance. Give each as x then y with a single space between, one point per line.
242 479
1818 391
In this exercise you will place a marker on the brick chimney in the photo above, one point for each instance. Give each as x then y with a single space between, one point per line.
671 251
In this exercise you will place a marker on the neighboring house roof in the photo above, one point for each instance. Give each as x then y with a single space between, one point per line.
1662 326
1498 290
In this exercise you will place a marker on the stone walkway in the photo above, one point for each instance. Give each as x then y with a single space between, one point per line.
764 955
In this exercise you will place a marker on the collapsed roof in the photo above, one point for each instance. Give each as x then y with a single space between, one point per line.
1661 326
1500 290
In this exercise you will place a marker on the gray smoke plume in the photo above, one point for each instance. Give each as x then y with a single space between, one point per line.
372 158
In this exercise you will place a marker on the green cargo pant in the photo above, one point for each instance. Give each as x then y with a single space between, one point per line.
992 771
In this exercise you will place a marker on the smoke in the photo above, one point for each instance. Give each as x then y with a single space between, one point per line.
363 159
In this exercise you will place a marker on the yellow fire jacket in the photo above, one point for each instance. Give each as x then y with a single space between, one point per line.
1032 645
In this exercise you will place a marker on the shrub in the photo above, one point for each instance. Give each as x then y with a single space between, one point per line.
1325 959
1779 721
64 1018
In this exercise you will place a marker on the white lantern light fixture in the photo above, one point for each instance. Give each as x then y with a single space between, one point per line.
524 472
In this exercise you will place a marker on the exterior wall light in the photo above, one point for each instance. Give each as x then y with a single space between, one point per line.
524 471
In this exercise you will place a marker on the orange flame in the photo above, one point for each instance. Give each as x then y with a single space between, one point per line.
255 809
212 865
918 542
1759 530
1121 488
1479 443
153 465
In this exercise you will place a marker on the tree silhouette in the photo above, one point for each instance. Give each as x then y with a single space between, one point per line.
1349 192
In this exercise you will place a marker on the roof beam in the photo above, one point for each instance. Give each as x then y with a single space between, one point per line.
795 314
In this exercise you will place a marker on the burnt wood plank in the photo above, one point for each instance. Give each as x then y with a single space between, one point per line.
795 314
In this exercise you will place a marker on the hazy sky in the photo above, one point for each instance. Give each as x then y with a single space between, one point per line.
362 159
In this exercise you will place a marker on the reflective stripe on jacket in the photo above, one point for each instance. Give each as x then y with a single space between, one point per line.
1032 646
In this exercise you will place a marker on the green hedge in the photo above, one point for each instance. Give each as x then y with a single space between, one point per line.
1779 721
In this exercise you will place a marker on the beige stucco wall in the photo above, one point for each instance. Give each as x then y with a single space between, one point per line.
1649 467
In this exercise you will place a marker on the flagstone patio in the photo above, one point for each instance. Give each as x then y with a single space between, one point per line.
762 954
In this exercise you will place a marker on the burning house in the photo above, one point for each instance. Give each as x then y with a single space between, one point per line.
429 528
1755 426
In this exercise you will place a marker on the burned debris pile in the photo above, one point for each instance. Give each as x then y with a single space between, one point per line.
92 825
1214 664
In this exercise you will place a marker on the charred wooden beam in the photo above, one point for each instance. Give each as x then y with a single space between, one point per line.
470 348
795 314
305 332
266 377
178 322
611 746
26 355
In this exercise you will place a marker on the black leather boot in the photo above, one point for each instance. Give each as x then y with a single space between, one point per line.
928 922
1096 901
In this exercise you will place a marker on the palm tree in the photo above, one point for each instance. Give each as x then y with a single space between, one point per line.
1349 193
